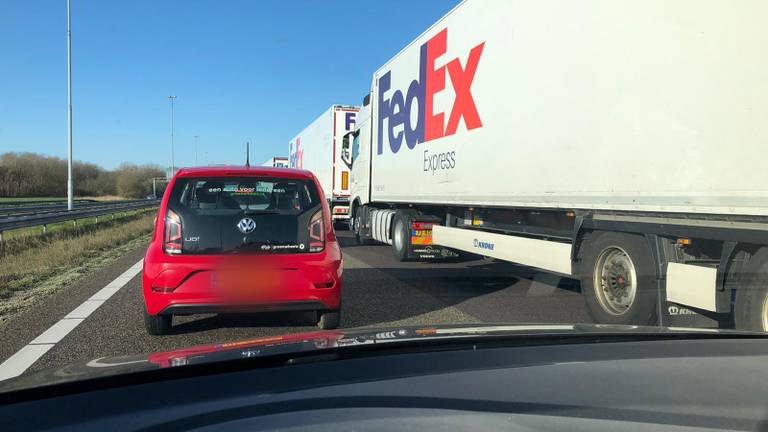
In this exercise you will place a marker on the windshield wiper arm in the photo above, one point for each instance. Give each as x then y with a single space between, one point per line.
260 212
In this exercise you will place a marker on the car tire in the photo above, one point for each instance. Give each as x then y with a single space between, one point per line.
622 266
400 236
158 325
751 305
329 320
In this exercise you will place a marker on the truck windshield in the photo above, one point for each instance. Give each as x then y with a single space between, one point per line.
355 146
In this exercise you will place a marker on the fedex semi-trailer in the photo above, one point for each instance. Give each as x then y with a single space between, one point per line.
324 147
619 143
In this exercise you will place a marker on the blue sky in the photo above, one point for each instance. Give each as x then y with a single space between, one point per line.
255 71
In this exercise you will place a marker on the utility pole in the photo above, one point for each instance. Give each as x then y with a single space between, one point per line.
247 154
154 184
196 137
173 164
70 182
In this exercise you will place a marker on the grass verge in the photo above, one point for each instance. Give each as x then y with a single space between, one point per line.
19 240
41 268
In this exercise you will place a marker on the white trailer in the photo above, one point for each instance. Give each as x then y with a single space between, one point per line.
620 143
323 147
276 162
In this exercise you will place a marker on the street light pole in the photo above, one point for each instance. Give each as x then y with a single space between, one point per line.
173 164
70 183
196 137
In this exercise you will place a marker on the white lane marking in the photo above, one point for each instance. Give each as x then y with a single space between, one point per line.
104 294
56 332
84 309
19 362
98 364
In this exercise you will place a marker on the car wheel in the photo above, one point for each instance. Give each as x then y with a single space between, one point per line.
158 324
751 309
329 320
618 279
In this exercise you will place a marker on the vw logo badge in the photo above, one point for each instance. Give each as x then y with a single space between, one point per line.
246 225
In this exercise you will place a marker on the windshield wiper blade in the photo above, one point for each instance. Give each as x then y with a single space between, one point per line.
260 212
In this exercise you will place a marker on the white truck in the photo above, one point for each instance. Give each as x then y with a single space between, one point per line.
620 143
324 148
276 162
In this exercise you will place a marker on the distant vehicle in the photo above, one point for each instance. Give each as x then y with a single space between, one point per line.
628 156
242 240
151 197
324 147
276 162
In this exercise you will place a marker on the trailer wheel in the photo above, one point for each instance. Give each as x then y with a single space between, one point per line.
400 236
618 279
751 309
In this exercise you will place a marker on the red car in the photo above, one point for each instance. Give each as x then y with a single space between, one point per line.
242 240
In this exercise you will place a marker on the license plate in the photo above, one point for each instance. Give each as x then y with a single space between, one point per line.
245 282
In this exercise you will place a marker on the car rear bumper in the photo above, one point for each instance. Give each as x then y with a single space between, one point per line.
292 306
191 284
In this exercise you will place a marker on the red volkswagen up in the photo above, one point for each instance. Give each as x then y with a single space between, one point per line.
242 240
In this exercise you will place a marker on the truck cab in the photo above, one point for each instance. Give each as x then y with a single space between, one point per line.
359 141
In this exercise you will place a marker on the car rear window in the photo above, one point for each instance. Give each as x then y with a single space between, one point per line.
286 196
244 215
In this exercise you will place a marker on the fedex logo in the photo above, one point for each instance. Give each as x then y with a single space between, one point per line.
350 118
429 125
296 154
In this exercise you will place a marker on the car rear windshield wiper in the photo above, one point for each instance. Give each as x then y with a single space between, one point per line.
260 212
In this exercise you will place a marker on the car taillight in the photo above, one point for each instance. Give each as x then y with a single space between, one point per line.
172 236
316 232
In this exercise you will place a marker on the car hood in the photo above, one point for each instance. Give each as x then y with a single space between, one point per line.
270 346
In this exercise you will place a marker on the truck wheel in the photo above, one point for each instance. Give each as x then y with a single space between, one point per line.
751 309
618 279
356 224
400 236
158 325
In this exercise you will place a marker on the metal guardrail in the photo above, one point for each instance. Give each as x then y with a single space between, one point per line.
4 204
56 207
17 222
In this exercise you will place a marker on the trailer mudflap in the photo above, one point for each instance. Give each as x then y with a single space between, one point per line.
677 315
421 244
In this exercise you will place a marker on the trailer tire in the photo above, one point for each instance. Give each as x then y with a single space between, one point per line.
400 236
618 279
751 308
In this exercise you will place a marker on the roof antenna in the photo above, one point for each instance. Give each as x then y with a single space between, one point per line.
247 154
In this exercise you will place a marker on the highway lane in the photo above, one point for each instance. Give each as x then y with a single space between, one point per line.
378 291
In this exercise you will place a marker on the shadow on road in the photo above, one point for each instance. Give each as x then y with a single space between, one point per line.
265 320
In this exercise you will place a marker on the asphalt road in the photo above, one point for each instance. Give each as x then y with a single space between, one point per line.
378 292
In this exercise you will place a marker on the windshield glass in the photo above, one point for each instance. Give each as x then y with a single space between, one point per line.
179 179
250 214
283 196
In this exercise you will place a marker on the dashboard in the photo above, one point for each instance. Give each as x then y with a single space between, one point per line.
636 385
